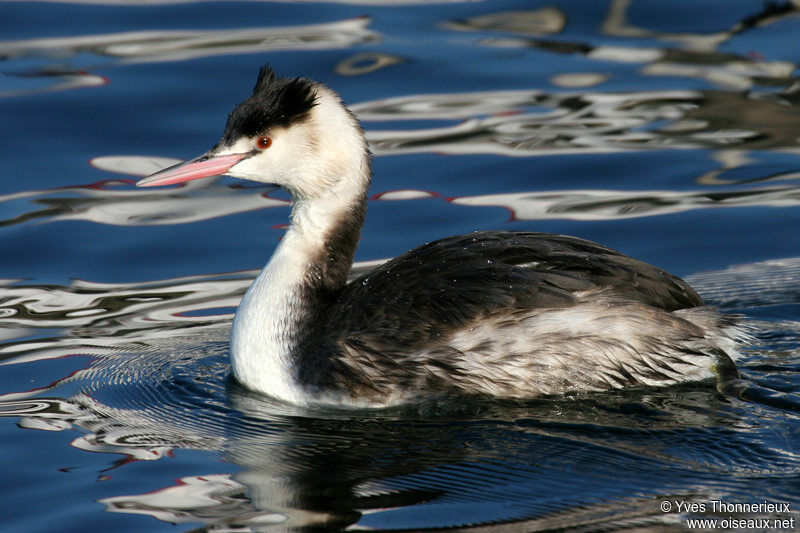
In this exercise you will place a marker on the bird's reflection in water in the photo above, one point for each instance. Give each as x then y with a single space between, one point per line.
599 460
466 463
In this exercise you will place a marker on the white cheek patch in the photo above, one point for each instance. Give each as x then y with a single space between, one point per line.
266 165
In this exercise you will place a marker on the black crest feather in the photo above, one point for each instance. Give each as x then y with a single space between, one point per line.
275 102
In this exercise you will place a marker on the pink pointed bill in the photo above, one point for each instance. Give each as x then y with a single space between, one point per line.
192 170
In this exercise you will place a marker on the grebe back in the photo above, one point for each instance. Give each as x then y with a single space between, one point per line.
506 314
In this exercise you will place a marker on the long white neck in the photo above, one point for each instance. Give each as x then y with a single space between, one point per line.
282 311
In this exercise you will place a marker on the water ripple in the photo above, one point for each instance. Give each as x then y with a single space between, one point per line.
157 383
526 123
115 203
176 45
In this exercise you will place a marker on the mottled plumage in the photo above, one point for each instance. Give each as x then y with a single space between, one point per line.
512 314
507 314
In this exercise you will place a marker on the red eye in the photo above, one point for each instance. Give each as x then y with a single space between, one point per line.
264 142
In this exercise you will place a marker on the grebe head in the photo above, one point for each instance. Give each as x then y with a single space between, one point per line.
291 132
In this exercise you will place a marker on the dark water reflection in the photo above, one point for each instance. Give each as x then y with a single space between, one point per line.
665 128
477 463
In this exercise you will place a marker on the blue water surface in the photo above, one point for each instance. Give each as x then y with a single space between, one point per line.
669 130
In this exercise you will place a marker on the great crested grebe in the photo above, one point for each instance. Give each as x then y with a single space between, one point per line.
498 313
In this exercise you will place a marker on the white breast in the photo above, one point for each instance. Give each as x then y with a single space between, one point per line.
262 333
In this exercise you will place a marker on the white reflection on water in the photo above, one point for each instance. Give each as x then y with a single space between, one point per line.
528 123
518 123
617 23
116 203
175 45
96 317
543 21
365 63
605 205
724 70
692 55
65 80
199 499
220 501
